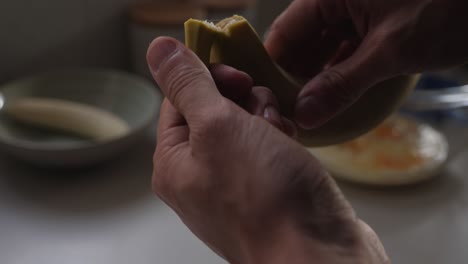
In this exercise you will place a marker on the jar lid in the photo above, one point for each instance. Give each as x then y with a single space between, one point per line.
153 14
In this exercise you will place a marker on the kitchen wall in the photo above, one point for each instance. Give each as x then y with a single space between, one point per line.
38 35
46 34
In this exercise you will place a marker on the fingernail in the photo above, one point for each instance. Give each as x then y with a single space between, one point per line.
159 51
310 113
272 115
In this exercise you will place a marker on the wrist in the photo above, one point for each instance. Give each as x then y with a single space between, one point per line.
288 243
282 244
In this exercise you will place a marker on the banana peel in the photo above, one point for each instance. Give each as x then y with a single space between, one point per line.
234 42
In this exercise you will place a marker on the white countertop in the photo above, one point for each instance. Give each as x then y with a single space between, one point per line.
109 215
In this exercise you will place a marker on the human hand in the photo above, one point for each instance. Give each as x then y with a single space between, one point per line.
345 47
238 182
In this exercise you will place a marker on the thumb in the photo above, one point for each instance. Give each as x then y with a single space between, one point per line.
336 88
182 77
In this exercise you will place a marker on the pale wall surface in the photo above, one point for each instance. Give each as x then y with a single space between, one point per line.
40 35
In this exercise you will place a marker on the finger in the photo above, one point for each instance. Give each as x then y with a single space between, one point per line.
299 21
306 58
262 102
169 119
310 59
346 49
300 40
289 128
272 115
172 127
233 84
259 99
336 88
172 131
183 78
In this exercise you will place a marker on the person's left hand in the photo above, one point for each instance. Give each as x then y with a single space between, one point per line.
225 165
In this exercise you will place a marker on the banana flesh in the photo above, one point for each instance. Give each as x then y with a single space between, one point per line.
234 42
70 117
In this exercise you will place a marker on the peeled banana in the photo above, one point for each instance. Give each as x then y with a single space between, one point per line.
75 118
234 42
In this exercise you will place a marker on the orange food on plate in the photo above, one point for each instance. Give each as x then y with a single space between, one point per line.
400 151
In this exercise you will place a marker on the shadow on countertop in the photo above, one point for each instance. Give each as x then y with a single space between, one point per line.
400 209
112 185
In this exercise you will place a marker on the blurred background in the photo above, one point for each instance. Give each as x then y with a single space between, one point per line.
83 33
105 212
53 34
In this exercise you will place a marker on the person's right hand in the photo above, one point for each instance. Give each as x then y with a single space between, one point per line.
345 47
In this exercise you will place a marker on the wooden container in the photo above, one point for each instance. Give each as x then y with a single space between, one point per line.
220 9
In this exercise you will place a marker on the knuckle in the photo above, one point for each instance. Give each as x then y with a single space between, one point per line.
181 78
159 185
338 87
214 122
178 75
262 90
386 39
266 94
275 28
